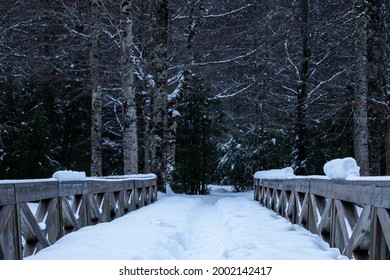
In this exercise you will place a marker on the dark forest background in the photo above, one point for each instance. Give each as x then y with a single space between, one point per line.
221 88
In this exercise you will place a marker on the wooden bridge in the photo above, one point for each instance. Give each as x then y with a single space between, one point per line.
353 216
36 213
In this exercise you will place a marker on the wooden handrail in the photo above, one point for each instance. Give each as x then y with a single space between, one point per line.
36 213
353 216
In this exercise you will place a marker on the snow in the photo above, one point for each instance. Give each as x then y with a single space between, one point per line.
220 226
342 168
149 176
285 173
16 181
69 175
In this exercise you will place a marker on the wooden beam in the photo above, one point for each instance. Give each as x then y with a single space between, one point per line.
384 219
7 194
31 229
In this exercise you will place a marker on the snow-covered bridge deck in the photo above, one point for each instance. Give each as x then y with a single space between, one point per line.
223 225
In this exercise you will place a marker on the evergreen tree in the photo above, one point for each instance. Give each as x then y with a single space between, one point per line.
246 153
196 154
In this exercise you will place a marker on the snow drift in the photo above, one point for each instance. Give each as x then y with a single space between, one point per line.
343 168
285 173
69 175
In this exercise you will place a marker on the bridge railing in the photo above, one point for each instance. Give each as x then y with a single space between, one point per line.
353 216
36 213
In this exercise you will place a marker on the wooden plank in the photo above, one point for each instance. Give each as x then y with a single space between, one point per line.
80 209
136 195
59 217
351 191
71 188
7 194
34 191
42 210
2 255
5 212
384 219
343 236
52 221
94 214
291 207
103 186
320 203
141 183
155 193
298 185
32 226
376 236
256 187
69 216
8 238
127 201
17 233
120 200
283 203
350 213
278 200
381 197
322 188
325 217
358 232
312 217
304 211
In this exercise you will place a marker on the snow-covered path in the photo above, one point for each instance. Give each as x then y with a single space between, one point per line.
220 226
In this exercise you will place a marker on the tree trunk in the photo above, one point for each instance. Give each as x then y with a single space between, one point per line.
387 147
299 160
160 104
96 110
361 132
130 139
377 106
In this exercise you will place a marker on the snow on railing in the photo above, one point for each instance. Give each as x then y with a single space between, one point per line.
36 213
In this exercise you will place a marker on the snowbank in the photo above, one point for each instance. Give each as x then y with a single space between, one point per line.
285 173
68 175
342 168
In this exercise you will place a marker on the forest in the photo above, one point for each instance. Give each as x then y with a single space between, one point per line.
195 91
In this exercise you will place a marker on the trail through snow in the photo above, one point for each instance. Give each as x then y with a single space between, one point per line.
220 226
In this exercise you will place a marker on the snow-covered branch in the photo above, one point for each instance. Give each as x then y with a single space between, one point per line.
320 84
222 95
218 15
224 61
229 12
289 58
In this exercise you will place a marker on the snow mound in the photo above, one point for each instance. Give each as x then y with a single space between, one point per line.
285 173
342 168
69 175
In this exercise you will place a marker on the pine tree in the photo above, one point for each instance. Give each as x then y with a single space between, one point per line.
196 153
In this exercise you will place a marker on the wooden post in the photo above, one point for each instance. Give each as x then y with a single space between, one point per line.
376 236
61 228
18 247
333 229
